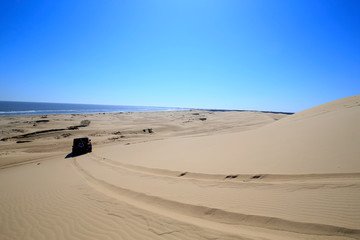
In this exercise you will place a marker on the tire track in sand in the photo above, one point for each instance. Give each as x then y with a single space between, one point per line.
193 212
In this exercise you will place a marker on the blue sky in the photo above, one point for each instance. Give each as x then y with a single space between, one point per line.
260 55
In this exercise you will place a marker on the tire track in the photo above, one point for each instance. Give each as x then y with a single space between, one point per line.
195 213
312 181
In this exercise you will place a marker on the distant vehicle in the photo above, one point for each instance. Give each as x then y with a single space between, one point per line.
81 146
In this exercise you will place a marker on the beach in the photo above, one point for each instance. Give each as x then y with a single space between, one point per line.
192 174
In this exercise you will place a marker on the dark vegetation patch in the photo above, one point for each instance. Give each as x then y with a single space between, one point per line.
231 176
183 174
23 141
113 138
33 134
42 121
18 130
149 130
83 123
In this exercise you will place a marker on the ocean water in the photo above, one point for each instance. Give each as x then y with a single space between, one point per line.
34 108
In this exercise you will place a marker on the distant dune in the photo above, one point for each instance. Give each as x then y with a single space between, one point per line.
323 139
183 175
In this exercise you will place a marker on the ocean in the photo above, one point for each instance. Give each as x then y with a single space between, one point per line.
36 108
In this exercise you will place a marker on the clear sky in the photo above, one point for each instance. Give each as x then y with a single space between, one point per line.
241 54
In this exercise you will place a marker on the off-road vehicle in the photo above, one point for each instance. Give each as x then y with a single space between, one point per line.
81 145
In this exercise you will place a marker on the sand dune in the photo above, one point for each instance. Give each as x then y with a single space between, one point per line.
324 139
235 175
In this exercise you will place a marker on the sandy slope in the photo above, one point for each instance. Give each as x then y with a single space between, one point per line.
233 176
324 139
51 201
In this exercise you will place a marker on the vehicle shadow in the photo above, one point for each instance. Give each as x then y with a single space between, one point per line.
71 155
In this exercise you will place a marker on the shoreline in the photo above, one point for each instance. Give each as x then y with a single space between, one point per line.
36 108
119 112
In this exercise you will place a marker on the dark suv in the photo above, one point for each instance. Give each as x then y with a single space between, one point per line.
81 145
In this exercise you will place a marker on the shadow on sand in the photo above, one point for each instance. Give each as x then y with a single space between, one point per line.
71 155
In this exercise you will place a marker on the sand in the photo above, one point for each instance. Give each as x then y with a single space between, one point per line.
183 175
